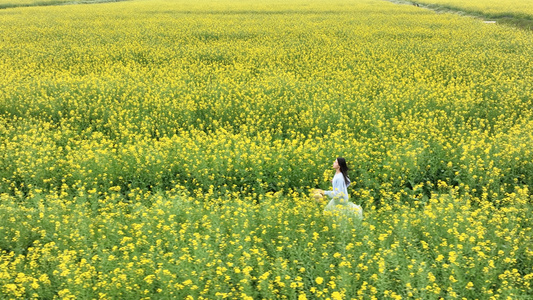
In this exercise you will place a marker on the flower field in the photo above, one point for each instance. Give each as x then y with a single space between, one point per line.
163 149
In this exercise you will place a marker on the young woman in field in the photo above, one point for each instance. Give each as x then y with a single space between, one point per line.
339 194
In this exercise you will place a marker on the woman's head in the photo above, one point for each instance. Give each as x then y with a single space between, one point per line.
340 164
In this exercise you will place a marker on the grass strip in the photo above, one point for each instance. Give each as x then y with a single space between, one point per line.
53 2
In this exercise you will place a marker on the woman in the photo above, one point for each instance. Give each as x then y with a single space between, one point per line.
339 194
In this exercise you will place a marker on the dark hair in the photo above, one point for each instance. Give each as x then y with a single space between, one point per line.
344 168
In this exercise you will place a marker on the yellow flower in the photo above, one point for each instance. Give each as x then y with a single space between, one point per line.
336 296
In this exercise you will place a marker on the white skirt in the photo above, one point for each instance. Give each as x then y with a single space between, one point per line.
348 208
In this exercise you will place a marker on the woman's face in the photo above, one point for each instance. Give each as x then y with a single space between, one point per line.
335 164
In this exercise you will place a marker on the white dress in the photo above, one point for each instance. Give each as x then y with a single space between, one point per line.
340 198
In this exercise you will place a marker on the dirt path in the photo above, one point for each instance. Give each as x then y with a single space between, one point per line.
522 21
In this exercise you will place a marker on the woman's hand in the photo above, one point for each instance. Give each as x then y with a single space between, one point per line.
318 194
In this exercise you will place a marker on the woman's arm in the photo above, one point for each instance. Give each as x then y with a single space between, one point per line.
337 187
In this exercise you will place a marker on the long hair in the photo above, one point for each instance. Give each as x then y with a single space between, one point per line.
344 169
